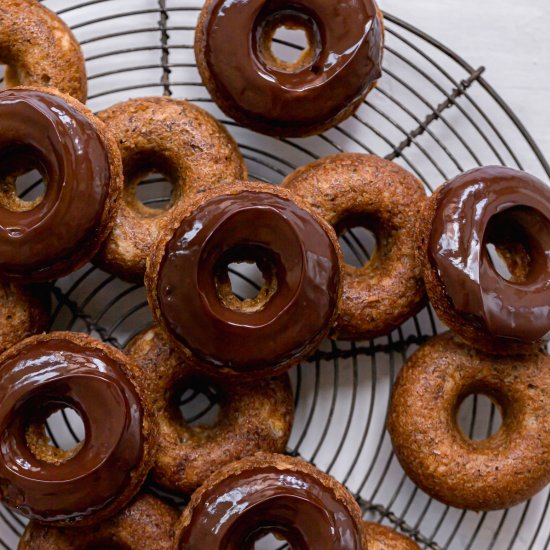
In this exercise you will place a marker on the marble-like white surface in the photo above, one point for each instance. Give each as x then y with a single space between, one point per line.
510 38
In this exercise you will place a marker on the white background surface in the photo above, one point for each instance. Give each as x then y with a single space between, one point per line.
510 38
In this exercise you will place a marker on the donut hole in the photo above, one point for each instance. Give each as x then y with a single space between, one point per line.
246 278
22 179
55 433
359 241
268 541
197 404
479 416
150 184
513 243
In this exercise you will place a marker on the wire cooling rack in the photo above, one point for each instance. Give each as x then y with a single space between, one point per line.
432 113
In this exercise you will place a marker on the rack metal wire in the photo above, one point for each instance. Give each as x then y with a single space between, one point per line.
434 114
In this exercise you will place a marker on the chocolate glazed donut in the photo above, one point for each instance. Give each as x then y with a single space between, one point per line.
233 47
99 476
270 493
509 210
58 233
298 254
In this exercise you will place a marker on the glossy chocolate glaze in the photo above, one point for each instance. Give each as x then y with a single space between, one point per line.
239 510
494 205
345 58
53 374
40 129
306 267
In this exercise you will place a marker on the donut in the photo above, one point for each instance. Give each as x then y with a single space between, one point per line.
252 417
381 537
99 476
185 144
324 86
220 334
56 234
352 190
39 49
507 468
24 311
270 493
147 523
506 209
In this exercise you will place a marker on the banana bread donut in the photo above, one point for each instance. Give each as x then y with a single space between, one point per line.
100 475
501 471
39 49
325 85
219 333
270 493
24 311
509 211
55 234
146 524
353 190
177 139
383 538
252 417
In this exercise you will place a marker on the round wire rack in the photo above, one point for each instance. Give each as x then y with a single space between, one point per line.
432 113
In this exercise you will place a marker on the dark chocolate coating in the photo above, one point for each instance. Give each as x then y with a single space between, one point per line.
44 375
242 508
74 160
494 205
341 64
306 267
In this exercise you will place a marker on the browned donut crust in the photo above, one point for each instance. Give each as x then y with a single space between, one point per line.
181 141
350 190
501 471
146 524
39 49
24 311
154 262
468 327
280 462
39 442
381 537
253 417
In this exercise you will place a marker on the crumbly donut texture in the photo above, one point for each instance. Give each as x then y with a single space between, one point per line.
491 474
252 417
146 524
380 537
181 141
349 190
39 49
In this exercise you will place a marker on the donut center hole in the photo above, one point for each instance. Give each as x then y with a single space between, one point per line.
358 240
479 417
22 179
55 435
246 278
268 541
288 41
516 242
198 405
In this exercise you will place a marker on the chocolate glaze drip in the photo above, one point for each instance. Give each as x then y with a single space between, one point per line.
306 268
50 375
239 510
495 205
345 60
40 129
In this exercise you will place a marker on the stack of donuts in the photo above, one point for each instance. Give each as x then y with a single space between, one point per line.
236 482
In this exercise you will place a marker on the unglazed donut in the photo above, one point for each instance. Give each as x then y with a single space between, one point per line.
79 160
100 475
39 49
350 190
233 47
380 537
147 523
501 471
24 311
173 137
271 493
298 254
253 417
490 206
